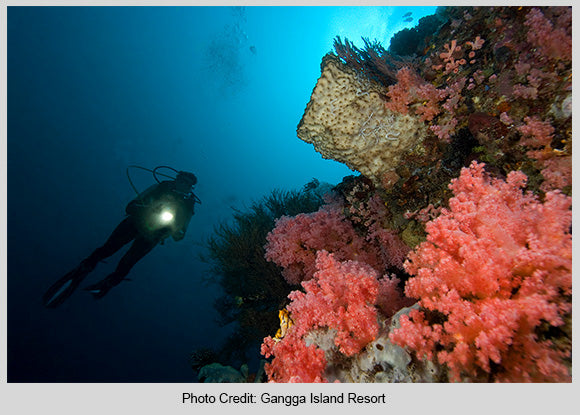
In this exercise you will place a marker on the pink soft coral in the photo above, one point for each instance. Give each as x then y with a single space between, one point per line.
390 298
554 42
557 172
410 89
294 362
340 297
371 213
536 133
556 166
494 280
294 242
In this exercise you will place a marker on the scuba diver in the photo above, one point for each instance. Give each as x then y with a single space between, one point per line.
164 209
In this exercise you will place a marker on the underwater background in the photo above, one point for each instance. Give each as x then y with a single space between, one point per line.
217 91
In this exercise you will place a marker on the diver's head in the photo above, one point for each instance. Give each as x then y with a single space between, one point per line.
184 181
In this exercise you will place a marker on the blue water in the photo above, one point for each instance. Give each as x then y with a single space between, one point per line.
215 91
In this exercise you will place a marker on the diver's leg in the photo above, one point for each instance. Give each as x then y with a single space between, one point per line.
140 247
65 286
124 233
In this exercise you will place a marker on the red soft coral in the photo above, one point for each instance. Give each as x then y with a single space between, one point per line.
411 90
340 297
390 298
295 240
371 213
554 42
294 362
494 279
556 166
536 133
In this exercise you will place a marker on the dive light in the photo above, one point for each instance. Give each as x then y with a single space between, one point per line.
166 217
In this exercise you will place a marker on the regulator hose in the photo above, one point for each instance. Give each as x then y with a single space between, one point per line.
155 173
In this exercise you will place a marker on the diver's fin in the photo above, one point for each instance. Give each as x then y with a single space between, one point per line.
60 291
64 287
97 292
101 288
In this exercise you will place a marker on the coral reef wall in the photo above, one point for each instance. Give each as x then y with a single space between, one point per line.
465 155
493 83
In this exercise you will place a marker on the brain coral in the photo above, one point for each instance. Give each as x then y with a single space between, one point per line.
346 120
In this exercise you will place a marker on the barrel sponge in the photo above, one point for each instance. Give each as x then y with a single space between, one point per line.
346 120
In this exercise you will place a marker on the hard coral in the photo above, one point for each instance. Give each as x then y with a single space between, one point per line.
494 282
347 120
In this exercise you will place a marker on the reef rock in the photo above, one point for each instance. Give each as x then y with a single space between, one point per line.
217 373
380 361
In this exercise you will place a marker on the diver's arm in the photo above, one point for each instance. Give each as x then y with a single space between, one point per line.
180 234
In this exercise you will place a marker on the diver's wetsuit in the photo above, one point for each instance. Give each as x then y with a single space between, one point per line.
124 233
144 236
142 226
